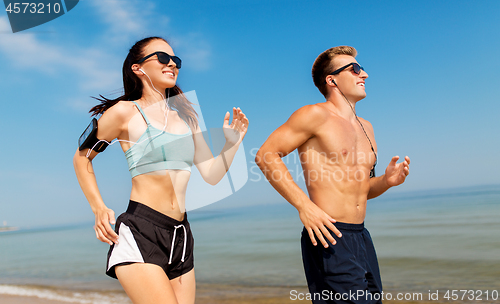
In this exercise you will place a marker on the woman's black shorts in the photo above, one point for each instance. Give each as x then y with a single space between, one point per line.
148 236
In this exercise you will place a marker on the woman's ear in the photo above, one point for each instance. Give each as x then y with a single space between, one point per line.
137 69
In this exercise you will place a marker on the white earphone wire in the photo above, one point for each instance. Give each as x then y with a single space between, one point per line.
167 110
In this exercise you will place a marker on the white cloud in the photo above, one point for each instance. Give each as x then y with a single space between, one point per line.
96 68
126 19
133 19
26 51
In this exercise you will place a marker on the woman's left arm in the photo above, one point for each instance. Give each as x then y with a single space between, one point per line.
213 169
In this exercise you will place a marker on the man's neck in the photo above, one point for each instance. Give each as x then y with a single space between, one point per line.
341 106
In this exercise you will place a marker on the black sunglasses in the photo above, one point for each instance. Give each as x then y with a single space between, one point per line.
164 58
356 68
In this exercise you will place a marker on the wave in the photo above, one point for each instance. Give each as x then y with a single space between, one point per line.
69 296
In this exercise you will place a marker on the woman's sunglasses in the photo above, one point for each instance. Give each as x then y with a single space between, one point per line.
356 68
164 58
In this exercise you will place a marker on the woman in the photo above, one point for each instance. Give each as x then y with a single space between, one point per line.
151 250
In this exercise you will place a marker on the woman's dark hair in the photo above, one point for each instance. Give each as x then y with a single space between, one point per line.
133 87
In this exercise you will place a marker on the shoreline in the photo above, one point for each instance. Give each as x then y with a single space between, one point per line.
10 299
205 294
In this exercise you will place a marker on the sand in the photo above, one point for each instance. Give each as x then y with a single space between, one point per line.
222 294
206 294
6 299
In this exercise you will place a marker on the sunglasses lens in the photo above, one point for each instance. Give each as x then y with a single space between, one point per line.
356 68
177 61
165 59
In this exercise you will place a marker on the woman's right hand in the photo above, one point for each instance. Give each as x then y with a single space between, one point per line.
103 231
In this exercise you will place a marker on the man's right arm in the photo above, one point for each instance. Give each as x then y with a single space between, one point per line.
297 130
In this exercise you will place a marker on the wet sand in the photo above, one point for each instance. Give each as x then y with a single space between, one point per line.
256 299
221 294
7 299
206 294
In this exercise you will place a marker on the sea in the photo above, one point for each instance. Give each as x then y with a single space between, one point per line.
426 241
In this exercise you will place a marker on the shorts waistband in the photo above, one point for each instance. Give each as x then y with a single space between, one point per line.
349 227
154 216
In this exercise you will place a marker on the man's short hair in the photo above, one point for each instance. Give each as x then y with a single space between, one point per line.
323 65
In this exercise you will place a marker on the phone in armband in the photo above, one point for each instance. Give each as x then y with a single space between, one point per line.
89 140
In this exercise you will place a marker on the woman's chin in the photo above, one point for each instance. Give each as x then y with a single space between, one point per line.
164 85
169 83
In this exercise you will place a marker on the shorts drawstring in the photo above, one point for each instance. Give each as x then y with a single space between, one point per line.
173 243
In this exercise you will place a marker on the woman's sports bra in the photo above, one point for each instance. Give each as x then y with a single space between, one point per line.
159 150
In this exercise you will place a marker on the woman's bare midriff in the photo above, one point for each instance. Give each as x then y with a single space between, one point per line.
163 191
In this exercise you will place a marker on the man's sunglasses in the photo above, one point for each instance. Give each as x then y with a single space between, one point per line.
164 58
356 68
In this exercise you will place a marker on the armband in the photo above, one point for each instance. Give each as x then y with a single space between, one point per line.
89 140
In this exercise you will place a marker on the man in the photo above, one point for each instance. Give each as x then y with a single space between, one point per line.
337 152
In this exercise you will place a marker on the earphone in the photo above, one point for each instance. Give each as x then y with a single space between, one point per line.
372 172
165 114
143 73
167 109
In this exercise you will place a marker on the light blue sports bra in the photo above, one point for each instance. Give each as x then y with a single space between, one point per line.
159 150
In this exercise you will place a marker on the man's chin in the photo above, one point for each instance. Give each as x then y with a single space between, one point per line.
357 98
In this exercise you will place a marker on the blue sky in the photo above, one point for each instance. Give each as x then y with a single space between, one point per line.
432 91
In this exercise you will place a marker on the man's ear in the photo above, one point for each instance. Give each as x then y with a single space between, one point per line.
331 81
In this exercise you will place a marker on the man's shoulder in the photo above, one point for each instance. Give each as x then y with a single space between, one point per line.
366 123
316 113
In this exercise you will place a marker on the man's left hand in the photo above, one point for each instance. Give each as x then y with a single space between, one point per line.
395 174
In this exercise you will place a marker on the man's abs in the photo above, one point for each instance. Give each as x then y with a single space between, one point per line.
339 188
344 204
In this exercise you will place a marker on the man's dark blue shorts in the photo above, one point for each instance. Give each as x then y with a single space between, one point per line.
342 272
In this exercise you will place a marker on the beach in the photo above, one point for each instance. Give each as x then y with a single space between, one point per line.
206 294
219 294
6 299
426 242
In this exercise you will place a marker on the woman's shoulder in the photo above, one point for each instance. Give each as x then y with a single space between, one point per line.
122 110
118 116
